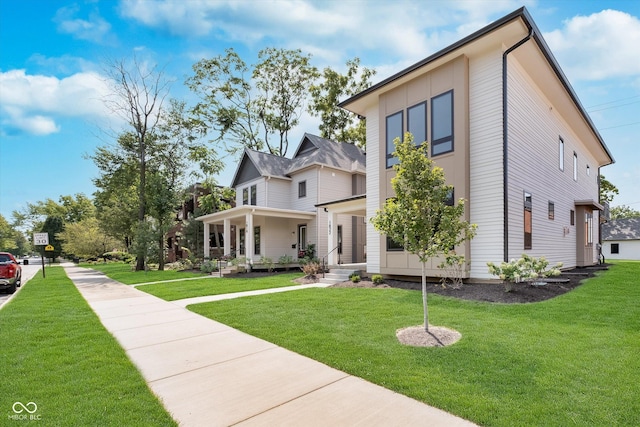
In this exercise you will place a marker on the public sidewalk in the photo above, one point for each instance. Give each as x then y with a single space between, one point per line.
208 374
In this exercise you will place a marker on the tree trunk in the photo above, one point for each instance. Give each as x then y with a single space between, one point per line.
161 253
142 207
424 298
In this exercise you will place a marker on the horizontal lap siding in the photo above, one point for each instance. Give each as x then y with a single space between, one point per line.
534 131
486 177
278 193
374 169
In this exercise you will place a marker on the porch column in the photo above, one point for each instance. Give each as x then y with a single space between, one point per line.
332 240
249 239
207 249
227 237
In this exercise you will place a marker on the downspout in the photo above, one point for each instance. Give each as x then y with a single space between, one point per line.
505 141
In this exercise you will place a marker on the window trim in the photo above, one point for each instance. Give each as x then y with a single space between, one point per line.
528 212
389 155
302 189
551 211
561 153
575 166
615 246
254 195
256 240
426 118
443 140
245 196
572 217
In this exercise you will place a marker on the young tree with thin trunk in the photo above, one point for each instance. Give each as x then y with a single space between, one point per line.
419 216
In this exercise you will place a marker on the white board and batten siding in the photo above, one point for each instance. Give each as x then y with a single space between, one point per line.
373 203
485 150
535 127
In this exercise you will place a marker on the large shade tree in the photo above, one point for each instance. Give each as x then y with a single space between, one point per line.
421 216
252 106
337 123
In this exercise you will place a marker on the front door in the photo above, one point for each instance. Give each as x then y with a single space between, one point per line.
584 236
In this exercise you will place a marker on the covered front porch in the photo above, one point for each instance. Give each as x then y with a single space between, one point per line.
355 206
260 232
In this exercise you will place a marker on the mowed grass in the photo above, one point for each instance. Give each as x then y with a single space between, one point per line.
572 360
122 273
56 353
217 286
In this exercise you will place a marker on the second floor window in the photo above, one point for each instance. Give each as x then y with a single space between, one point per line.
254 195
250 195
417 122
302 189
394 130
442 123
245 196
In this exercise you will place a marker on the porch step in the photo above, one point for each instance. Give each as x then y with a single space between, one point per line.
337 275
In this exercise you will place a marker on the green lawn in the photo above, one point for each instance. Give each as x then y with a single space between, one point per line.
56 354
217 286
572 360
122 273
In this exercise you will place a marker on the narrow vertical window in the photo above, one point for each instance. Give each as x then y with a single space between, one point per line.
256 240
394 130
588 224
339 239
572 217
245 196
442 123
450 200
588 170
561 153
242 241
552 213
417 122
254 195
528 221
575 166
302 189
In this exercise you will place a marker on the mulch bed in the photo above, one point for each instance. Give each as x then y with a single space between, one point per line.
491 292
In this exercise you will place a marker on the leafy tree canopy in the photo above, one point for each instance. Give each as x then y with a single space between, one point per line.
623 212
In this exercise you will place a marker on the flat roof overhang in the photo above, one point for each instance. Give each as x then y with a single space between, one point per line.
242 211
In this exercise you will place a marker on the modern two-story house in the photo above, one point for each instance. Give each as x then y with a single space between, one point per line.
514 140
279 204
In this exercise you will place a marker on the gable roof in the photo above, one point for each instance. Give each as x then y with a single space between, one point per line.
311 151
621 229
513 26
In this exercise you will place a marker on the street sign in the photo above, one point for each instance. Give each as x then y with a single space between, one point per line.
40 239
48 248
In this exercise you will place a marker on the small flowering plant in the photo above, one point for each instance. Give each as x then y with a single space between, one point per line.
524 269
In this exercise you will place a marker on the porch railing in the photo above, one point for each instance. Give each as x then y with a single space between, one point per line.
325 257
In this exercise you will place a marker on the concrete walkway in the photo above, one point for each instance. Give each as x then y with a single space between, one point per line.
208 374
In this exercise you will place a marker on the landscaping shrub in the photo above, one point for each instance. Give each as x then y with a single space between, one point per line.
355 278
267 262
377 279
310 269
209 266
525 269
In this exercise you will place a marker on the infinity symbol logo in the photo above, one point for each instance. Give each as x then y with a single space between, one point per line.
30 407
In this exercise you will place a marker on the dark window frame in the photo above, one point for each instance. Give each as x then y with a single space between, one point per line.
417 141
444 140
575 166
256 240
245 196
302 189
615 248
572 217
242 243
552 211
390 158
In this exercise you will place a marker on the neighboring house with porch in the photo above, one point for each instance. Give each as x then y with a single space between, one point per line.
279 204
175 237
621 239
513 139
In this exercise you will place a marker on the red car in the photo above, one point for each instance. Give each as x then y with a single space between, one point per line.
10 272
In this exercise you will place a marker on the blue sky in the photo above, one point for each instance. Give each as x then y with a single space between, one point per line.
52 56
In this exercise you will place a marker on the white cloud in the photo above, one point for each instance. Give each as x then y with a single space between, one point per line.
599 46
396 30
31 103
94 29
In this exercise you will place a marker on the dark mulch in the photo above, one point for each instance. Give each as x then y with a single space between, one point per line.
491 292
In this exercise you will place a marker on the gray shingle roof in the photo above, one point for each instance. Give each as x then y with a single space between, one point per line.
312 150
621 229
